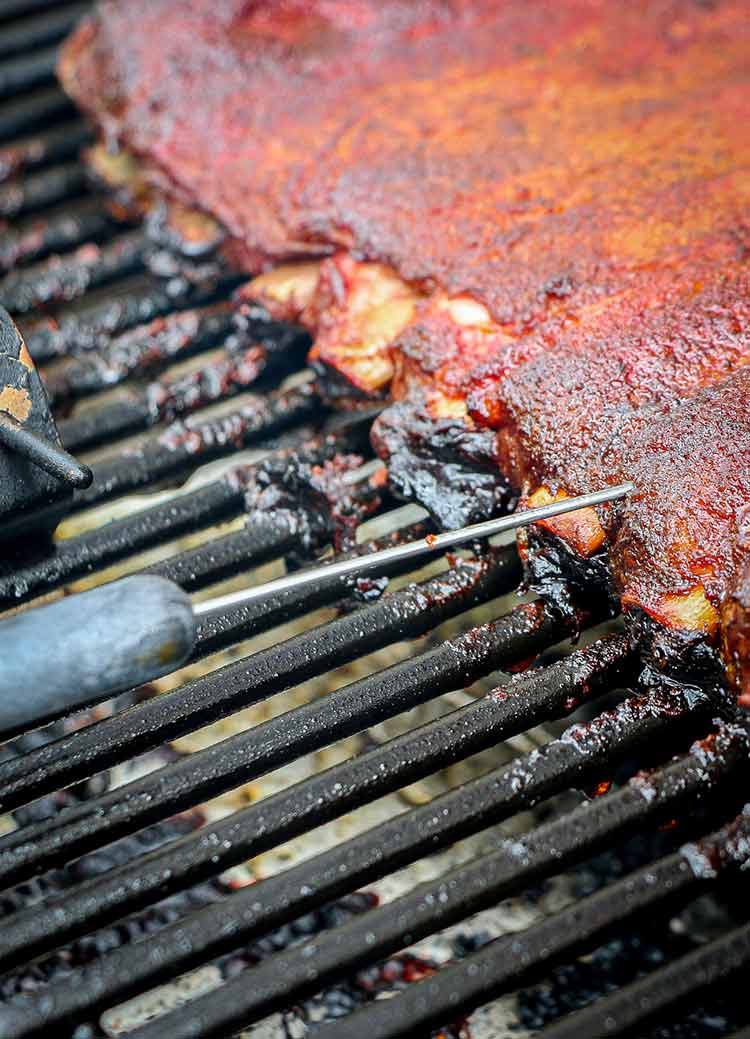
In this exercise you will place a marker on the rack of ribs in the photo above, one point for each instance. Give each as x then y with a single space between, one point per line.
524 224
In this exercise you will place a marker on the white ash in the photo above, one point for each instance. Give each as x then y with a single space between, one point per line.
139 1011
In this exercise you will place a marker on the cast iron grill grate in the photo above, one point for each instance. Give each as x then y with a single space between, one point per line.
133 343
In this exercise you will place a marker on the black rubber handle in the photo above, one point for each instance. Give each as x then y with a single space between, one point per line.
85 648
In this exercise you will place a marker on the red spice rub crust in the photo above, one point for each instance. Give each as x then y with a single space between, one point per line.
530 155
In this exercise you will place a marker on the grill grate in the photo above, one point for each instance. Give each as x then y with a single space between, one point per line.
154 368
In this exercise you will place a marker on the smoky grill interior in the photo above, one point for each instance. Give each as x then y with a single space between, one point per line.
116 880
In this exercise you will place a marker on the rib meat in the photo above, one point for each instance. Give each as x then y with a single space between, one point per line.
524 223
523 161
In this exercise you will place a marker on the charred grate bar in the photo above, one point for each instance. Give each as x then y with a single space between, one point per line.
54 282
37 191
82 754
430 907
530 699
145 350
50 146
40 238
26 71
34 111
185 446
520 959
93 325
248 755
34 33
651 997
23 8
547 850
254 348
204 507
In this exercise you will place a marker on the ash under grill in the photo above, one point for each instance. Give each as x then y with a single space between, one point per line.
116 880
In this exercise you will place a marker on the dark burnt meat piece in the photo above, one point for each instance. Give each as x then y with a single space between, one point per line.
446 467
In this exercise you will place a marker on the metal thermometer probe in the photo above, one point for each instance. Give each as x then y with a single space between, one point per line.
85 648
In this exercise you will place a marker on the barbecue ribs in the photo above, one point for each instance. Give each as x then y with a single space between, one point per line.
525 223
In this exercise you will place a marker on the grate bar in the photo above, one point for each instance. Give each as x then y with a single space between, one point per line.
528 700
101 547
62 280
185 446
55 234
22 8
520 959
142 351
23 115
430 907
239 367
47 147
43 29
248 755
682 981
26 71
226 628
266 905
37 191
168 400
93 324
185 513
266 536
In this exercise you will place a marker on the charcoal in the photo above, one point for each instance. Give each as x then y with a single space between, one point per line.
370 983
632 955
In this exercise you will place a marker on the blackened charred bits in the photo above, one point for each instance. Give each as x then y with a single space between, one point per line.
444 466
318 495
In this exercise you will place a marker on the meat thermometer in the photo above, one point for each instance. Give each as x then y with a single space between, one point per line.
82 649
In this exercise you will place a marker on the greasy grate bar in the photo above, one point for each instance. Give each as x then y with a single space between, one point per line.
258 908
60 232
40 30
33 111
27 71
81 754
62 281
145 350
185 446
260 351
227 628
682 981
528 700
433 906
47 147
520 959
264 538
344 712
23 8
94 323
108 544
171 399
185 513
37 191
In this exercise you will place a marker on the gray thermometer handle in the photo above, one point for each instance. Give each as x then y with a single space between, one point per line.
85 648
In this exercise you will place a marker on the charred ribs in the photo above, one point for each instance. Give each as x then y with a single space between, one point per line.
524 223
